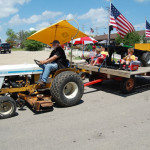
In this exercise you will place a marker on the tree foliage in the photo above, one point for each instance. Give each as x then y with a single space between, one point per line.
22 36
130 39
32 45
12 37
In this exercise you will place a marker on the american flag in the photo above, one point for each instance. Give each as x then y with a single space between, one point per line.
119 22
147 29
92 30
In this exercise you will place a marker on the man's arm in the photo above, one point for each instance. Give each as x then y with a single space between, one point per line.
49 60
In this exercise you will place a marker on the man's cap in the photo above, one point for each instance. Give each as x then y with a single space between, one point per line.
55 42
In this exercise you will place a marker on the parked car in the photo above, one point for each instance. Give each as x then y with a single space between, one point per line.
5 48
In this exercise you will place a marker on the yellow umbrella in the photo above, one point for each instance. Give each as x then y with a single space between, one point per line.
62 31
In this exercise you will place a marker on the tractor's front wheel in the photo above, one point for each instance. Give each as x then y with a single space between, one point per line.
67 89
7 107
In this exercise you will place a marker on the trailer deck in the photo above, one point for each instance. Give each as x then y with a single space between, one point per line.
114 72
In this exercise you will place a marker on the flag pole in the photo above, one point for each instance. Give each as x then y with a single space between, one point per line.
145 28
109 24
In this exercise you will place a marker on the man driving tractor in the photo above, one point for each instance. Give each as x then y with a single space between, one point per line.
57 60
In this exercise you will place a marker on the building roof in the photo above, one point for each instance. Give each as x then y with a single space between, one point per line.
113 36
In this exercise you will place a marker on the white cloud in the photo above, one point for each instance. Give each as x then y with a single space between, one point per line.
69 17
139 26
9 7
99 17
141 1
32 29
16 20
42 25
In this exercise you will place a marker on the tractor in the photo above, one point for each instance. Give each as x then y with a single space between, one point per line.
18 86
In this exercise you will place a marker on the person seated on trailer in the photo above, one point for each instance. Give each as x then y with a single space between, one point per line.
91 54
103 51
101 59
57 60
98 54
126 60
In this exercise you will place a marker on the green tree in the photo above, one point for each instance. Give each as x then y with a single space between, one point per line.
22 36
130 39
11 37
32 45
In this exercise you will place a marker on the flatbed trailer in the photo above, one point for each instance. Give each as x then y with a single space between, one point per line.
145 71
126 78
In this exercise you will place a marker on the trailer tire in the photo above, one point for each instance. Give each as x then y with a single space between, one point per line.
128 85
67 89
145 59
7 107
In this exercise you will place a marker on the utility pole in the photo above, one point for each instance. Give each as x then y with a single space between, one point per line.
83 27
96 29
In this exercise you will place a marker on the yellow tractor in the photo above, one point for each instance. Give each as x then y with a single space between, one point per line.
18 86
143 52
18 82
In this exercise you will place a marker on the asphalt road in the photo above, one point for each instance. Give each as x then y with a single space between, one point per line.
104 120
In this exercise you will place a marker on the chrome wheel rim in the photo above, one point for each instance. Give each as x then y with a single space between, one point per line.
6 108
70 90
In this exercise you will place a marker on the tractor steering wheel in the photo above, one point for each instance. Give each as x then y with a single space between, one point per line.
37 62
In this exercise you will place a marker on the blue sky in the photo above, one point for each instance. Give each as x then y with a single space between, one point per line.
37 14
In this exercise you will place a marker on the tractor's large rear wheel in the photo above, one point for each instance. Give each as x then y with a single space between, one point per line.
146 59
7 107
67 89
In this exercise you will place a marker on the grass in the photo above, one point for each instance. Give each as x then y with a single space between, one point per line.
78 58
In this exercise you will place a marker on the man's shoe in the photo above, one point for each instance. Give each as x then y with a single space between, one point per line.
42 83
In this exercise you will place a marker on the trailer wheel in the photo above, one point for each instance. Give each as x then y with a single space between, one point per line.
128 85
7 107
146 59
67 89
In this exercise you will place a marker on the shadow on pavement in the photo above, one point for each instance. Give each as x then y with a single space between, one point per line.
113 87
80 102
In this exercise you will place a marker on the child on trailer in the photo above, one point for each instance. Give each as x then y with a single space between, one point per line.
126 60
98 54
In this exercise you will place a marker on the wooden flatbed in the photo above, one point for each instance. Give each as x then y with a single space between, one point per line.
112 72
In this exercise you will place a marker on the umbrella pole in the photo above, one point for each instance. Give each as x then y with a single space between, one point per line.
71 53
72 40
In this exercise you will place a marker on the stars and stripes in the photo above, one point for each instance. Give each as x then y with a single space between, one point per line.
119 22
92 30
147 29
